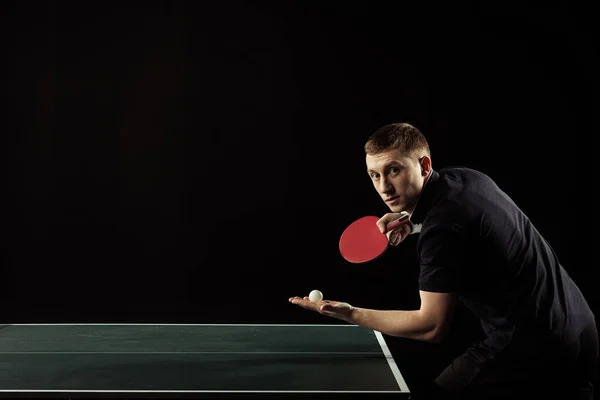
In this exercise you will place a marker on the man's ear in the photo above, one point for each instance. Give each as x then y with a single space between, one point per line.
425 162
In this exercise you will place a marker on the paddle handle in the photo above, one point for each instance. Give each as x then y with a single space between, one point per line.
393 225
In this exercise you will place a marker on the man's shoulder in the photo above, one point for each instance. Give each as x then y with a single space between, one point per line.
451 186
457 172
458 190
464 187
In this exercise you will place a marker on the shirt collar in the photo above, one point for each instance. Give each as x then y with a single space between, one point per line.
426 198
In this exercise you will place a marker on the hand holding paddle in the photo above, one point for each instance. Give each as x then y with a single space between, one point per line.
367 238
396 226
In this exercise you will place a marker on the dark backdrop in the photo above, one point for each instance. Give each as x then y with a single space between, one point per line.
197 161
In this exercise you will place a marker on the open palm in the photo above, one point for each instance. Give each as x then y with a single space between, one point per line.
334 309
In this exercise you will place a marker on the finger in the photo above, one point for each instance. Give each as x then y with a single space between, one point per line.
297 300
398 235
304 303
385 220
336 310
395 237
382 225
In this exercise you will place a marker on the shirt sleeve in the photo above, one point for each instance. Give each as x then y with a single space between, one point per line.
441 251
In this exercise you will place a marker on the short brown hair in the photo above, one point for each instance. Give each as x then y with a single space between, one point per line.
401 136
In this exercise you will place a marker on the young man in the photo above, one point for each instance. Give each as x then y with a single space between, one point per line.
477 247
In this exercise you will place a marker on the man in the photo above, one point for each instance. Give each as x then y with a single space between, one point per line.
477 247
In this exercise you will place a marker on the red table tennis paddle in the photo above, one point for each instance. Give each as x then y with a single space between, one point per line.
362 240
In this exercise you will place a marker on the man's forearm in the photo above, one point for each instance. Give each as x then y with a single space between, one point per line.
408 324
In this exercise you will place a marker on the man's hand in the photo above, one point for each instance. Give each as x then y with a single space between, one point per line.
334 309
396 236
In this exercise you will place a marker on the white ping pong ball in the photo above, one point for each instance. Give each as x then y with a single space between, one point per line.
315 296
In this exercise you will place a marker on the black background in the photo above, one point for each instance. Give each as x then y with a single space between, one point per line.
197 161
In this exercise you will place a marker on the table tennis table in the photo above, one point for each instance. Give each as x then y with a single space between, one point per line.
196 361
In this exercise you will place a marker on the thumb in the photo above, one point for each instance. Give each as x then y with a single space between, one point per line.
382 225
339 310
334 306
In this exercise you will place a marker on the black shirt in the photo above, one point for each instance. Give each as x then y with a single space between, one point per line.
475 241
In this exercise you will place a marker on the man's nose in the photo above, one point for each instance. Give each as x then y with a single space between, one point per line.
385 186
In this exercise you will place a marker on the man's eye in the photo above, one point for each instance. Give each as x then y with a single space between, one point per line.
394 170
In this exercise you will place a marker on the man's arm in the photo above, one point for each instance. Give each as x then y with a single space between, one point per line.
430 323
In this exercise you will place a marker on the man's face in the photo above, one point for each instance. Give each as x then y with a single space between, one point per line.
397 178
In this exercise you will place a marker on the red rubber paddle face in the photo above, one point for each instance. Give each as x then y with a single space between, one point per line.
362 241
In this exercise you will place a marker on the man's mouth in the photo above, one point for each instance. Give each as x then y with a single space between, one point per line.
392 199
